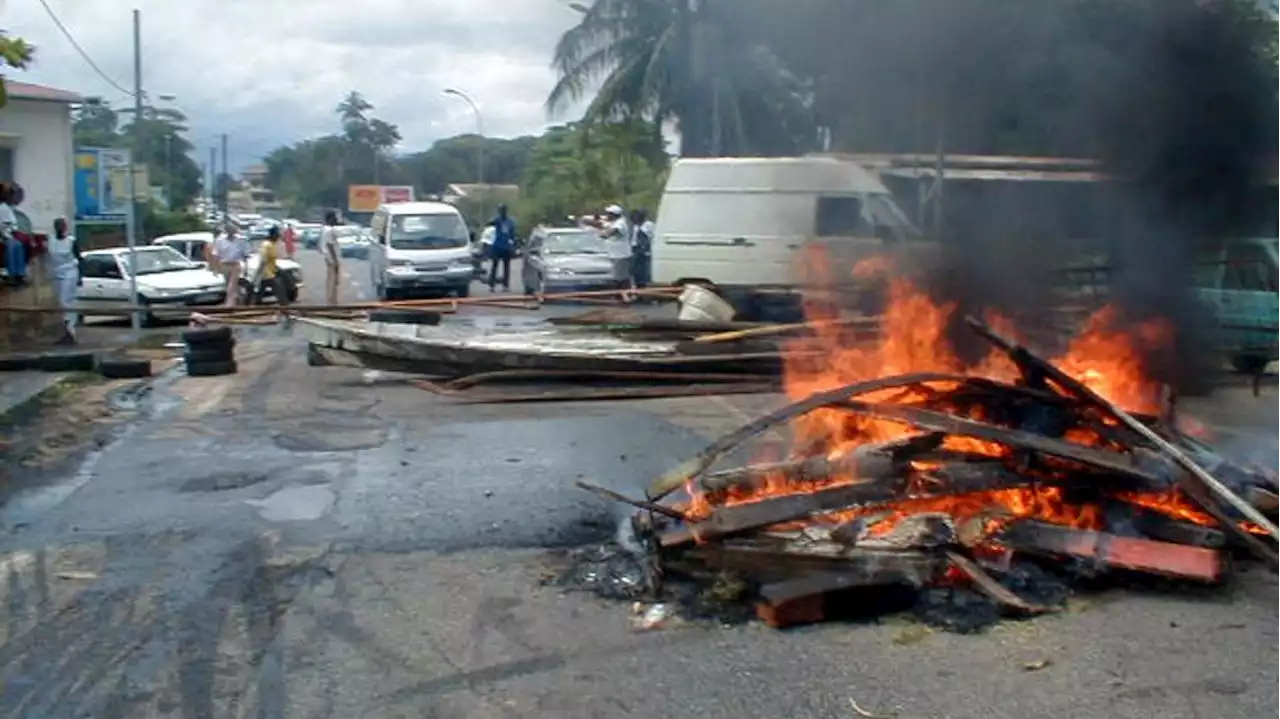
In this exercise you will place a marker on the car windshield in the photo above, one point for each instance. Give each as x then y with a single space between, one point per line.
159 259
574 243
428 232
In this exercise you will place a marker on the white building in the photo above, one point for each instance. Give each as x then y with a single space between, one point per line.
36 151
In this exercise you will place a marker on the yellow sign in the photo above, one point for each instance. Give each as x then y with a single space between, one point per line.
363 198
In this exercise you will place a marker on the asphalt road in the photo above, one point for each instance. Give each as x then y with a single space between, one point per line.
303 542
356 284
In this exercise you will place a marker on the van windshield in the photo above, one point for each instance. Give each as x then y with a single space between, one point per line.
428 232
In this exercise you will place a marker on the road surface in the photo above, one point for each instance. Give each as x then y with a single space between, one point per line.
302 542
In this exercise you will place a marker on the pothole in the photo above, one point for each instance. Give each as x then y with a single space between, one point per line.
331 434
223 481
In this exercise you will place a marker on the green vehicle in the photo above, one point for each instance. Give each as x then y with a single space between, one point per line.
1238 280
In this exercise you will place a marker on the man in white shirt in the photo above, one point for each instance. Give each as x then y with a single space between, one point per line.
230 250
332 257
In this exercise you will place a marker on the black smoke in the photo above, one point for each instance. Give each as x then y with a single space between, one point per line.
1186 118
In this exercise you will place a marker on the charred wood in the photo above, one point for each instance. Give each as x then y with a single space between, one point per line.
1133 554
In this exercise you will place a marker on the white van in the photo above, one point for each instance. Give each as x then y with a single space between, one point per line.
421 247
740 221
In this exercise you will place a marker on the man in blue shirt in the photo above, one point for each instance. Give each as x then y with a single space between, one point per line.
504 243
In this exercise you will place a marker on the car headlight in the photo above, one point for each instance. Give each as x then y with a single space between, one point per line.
460 264
400 263
559 271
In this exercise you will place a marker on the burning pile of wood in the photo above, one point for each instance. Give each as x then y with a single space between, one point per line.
956 482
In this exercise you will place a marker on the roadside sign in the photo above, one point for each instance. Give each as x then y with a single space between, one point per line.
366 198
98 197
397 193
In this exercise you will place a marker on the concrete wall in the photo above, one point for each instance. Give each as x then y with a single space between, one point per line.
39 134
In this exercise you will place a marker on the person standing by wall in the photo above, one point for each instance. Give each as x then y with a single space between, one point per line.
504 245
15 254
329 250
64 266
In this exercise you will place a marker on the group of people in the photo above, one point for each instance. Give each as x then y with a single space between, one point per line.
228 253
636 231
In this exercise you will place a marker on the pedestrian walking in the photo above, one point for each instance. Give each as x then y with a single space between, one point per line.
504 243
332 261
290 238
64 266
230 249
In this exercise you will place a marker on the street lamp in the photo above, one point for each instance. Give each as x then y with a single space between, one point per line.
479 132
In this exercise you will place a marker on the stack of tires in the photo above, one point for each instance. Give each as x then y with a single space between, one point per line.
209 352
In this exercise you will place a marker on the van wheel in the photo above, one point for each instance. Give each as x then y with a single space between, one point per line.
1249 364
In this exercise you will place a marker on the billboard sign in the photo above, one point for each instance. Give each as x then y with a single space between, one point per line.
366 198
102 184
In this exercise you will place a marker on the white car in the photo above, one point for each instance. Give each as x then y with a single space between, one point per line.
168 283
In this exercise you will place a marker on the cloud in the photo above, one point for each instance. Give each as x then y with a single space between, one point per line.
270 72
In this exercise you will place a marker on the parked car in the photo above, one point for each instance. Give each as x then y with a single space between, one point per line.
353 241
192 245
309 235
168 282
572 258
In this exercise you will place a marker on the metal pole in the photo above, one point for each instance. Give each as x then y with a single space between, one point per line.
226 184
475 109
213 176
132 217
168 171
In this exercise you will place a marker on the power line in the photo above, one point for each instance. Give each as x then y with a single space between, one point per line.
67 34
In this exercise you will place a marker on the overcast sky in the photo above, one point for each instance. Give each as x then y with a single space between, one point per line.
270 72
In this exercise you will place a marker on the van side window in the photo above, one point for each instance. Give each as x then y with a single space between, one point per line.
841 217
1248 269
889 220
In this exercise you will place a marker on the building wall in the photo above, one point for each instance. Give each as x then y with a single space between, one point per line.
38 138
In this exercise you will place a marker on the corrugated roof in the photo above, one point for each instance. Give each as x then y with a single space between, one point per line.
29 91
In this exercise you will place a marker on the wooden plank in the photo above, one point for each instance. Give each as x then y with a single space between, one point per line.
1106 460
1205 489
1146 556
950 480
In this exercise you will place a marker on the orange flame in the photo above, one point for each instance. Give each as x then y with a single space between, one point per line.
913 338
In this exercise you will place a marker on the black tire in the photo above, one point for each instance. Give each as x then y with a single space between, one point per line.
405 317
18 363
65 362
211 369
463 290
208 336
200 354
147 318
124 368
1249 364
314 358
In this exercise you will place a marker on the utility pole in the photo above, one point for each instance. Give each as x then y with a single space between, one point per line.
132 217
213 176
226 184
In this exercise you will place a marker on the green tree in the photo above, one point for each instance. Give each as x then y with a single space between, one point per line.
15 53
692 62
157 140
580 168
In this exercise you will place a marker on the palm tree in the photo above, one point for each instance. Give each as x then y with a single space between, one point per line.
688 61
353 112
